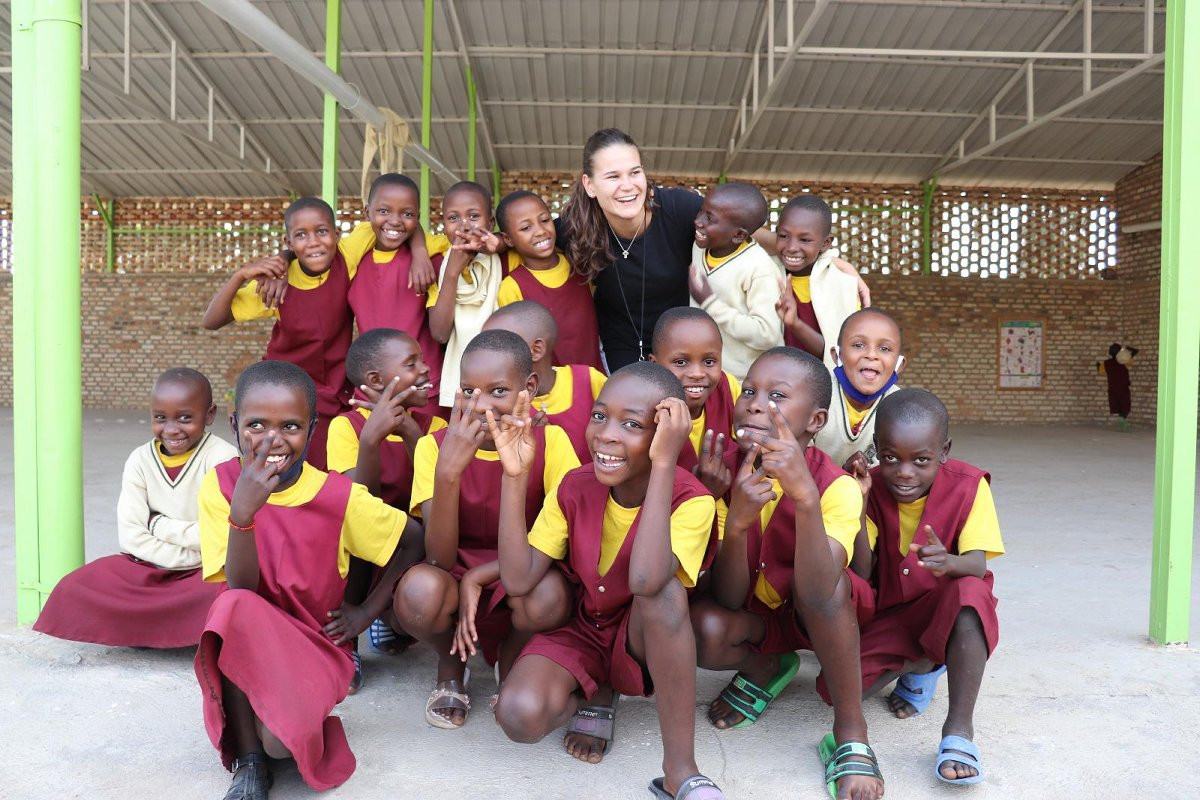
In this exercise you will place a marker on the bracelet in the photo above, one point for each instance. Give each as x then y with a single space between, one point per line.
237 527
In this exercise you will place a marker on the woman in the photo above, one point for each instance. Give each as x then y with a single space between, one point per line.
634 243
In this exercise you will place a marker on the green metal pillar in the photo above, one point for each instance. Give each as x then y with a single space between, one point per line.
495 183
46 331
470 123
927 191
108 217
1179 331
333 60
426 108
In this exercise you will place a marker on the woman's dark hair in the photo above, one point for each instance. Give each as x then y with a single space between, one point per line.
584 225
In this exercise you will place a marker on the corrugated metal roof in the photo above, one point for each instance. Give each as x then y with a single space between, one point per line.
673 73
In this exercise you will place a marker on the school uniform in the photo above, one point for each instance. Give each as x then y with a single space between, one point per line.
916 609
479 513
848 430
475 300
151 593
745 288
568 299
717 416
270 642
824 298
592 538
569 404
395 464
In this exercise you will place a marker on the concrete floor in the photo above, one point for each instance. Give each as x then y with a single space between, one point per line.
1076 702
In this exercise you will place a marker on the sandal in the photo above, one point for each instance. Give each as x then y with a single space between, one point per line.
448 696
843 761
916 688
384 639
697 787
964 751
751 700
356 682
252 778
599 722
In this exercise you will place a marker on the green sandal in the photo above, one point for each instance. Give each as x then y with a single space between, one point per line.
740 688
838 764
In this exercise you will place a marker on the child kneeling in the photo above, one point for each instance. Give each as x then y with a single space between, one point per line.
630 529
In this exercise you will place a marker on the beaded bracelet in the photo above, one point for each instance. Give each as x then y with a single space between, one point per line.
237 527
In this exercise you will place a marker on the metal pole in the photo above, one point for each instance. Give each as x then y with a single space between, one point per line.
470 123
1179 331
107 216
927 188
426 108
333 60
495 182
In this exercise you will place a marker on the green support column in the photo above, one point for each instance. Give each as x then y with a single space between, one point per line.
927 190
470 124
46 331
108 217
495 183
333 60
1179 332
426 108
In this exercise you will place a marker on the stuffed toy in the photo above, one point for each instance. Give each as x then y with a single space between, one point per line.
1116 369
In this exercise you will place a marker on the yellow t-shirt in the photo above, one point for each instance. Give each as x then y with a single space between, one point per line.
562 396
981 531
342 445
370 528
713 263
841 512
801 288
691 526
854 417
170 461
699 424
556 276
559 459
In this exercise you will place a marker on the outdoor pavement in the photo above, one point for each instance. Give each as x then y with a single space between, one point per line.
1076 703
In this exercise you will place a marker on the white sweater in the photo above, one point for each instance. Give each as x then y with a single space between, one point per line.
474 301
836 438
171 540
834 297
744 292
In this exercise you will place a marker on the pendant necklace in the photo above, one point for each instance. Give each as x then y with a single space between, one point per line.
637 327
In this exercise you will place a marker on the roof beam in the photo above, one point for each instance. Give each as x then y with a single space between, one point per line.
1050 116
485 128
989 55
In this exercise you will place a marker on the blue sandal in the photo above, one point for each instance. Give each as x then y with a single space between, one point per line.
385 640
964 751
916 688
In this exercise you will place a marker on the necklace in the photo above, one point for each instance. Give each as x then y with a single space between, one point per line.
625 249
641 324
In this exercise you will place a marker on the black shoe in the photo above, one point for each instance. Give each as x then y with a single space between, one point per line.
251 778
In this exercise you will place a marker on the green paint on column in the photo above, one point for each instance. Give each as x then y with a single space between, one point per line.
333 60
928 188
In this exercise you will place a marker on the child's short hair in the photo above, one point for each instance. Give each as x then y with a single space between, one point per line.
876 310
912 406
506 343
301 203
363 356
392 179
534 314
656 375
810 202
470 186
820 383
277 373
751 209
678 314
510 198
186 376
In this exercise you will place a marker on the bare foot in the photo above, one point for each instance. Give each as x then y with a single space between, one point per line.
584 746
859 787
724 716
901 707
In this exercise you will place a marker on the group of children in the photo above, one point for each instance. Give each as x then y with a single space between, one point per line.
465 475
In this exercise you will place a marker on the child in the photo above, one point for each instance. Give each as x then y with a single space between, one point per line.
932 525
314 327
779 582
280 533
867 364
455 598
545 276
733 278
151 594
566 392
817 295
630 528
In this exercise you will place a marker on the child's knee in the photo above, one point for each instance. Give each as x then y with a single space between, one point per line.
668 609
825 605
421 602
523 713
968 623
711 627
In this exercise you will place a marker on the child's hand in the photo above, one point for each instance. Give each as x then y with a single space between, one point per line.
513 437
267 267
421 274
783 458
698 284
346 623
932 555
464 434
786 305
255 483
711 470
751 491
271 291
388 414
857 466
465 635
674 425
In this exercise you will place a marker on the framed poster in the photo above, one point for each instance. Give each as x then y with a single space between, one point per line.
1021 362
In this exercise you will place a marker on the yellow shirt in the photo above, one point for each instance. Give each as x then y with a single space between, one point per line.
854 417
170 461
801 287
342 447
562 396
981 531
559 459
712 263
370 528
691 526
551 278
841 512
698 424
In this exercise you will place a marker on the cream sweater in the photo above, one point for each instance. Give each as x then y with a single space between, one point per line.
834 297
836 438
157 518
744 292
476 298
